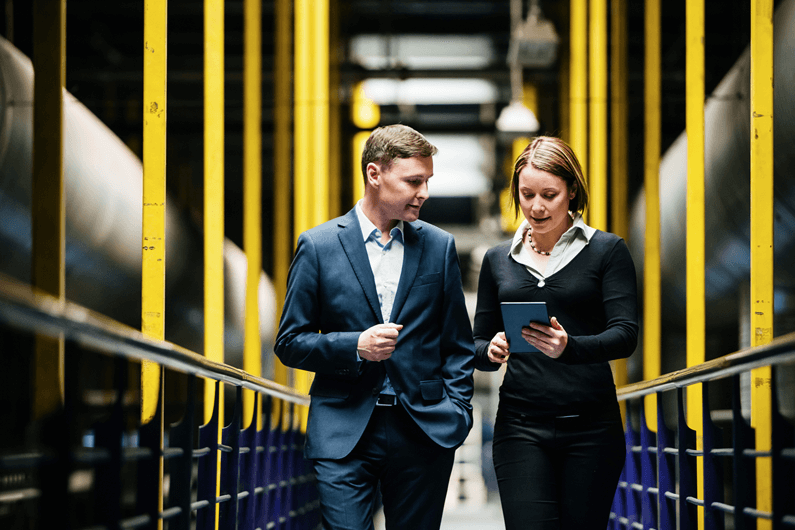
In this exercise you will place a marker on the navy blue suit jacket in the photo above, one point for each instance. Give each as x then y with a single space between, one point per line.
331 299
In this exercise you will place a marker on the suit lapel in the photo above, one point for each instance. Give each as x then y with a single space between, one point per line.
352 243
413 243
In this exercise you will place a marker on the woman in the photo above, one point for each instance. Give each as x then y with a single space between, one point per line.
558 439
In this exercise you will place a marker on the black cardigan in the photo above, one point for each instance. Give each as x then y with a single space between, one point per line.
594 297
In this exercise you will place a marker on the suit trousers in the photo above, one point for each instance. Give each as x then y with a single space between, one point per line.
413 472
558 473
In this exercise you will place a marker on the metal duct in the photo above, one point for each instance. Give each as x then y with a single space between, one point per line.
727 192
103 187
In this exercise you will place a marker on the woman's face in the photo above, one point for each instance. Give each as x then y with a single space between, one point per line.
544 200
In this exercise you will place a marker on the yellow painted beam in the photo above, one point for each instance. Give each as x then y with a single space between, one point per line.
365 114
597 143
762 240
213 192
48 208
578 81
619 129
214 75
359 139
282 176
304 78
252 191
509 221
303 216
335 207
564 89
652 97
319 125
153 227
311 128
694 261
153 253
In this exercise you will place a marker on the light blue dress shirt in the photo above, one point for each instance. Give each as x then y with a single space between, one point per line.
386 261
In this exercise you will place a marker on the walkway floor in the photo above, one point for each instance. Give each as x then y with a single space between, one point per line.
487 517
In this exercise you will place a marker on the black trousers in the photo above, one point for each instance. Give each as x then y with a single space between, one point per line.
413 472
558 473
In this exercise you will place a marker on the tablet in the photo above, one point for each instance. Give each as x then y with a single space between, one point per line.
515 315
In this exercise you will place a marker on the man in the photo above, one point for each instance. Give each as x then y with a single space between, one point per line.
375 308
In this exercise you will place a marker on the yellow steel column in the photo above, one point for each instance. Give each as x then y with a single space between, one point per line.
651 180
696 319
282 177
214 208
311 123
619 134
619 177
335 207
762 240
153 255
365 114
213 191
48 210
252 190
319 126
304 77
302 205
578 87
153 228
597 176
359 139
508 219
564 90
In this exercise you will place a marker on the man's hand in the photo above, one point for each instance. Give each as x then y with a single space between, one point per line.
378 342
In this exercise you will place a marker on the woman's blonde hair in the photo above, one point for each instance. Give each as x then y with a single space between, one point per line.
553 155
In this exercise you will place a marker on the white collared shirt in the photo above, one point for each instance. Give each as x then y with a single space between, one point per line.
386 262
566 249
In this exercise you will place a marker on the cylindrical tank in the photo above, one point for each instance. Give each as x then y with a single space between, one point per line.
103 188
727 192
727 235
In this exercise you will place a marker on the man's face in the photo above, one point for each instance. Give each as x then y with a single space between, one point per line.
403 187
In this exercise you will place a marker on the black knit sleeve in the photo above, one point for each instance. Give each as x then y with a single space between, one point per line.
620 302
488 320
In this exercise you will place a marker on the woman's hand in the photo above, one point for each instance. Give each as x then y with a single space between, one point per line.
498 349
550 340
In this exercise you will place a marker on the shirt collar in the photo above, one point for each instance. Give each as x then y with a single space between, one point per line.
367 225
577 229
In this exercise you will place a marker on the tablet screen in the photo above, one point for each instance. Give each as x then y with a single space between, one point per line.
515 315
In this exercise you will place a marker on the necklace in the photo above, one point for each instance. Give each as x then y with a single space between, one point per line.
532 245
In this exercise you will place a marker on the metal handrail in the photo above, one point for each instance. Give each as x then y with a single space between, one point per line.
35 311
663 482
783 348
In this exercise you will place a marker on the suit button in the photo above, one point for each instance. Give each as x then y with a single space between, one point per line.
375 391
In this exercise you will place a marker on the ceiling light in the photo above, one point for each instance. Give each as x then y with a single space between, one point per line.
432 52
420 91
516 118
